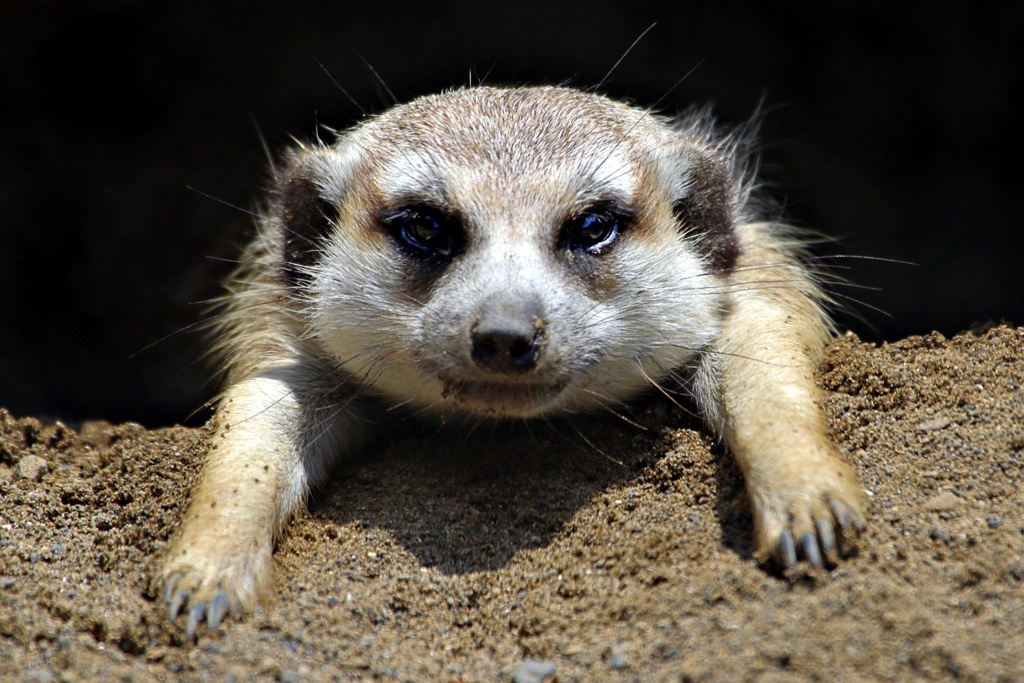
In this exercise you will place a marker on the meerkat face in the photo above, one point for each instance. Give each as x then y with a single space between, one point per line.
509 252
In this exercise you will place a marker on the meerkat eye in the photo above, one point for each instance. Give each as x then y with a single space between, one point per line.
422 229
594 230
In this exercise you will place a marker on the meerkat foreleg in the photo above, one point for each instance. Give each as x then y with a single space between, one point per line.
271 444
766 404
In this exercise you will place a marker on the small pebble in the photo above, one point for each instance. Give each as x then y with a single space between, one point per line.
531 671
32 467
933 424
938 534
7 582
994 522
944 502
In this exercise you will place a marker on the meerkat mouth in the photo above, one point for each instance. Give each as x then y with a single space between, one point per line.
503 399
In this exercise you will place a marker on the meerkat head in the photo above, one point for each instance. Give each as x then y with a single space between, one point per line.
509 252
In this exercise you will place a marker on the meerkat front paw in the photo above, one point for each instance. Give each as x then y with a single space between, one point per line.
814 516
208 585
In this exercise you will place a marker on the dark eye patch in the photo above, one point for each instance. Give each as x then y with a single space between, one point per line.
306 218
596 229
705 213
423 231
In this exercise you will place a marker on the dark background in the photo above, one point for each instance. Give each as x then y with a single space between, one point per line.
895 128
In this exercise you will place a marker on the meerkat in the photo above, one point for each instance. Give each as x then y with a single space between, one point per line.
508 253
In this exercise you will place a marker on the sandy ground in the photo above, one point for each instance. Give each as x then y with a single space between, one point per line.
611 551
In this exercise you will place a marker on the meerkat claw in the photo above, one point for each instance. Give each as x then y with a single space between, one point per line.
212 612
842 515
827 539
168 590
812 554
850 524
785 551
849 520
218 609
195 618
175 604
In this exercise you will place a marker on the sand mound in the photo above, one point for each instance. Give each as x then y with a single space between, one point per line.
612 551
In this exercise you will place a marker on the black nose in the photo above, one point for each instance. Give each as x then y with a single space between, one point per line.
507 343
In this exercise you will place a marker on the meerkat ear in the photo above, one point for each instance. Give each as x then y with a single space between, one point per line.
304 213
703 204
